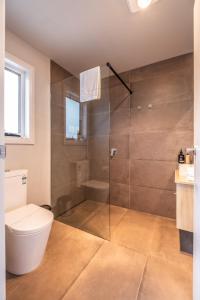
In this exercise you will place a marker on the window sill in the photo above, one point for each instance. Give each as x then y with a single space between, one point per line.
10 140
71 142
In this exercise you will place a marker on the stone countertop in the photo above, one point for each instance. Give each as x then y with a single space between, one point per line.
182 180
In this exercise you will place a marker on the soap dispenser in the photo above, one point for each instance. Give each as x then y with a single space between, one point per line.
181 157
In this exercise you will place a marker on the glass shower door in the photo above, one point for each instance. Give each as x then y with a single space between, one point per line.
80 156
97 187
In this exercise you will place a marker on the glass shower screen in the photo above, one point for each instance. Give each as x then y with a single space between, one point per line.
81 156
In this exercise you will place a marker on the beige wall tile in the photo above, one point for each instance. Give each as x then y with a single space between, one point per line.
120 194
155 174
154 201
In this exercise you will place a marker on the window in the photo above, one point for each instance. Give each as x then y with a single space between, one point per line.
18 106
72 119
75 120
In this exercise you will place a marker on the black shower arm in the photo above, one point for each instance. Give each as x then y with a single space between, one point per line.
118 76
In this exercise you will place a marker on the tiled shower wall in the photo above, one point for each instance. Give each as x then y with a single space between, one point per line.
149 138
64 190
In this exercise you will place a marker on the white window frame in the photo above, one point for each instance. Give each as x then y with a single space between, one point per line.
27 71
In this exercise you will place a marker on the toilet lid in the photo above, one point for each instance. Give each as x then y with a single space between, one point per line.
28 219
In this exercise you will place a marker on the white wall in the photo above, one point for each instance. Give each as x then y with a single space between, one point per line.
2 226
35 158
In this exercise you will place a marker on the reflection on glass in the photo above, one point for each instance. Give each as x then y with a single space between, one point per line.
72 119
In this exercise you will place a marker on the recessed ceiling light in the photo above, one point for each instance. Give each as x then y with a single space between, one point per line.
143 3
136 5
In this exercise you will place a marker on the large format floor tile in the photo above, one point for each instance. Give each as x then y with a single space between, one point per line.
104 221
164 280
141 262
62 264
79 215
115 273
166 243
135 231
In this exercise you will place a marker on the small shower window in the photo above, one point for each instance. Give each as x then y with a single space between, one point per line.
72 119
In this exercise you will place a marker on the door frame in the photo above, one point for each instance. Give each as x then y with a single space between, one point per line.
2 224
196 257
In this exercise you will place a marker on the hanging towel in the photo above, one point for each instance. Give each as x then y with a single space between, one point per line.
90 85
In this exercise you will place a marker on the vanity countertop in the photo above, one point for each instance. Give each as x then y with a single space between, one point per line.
182 180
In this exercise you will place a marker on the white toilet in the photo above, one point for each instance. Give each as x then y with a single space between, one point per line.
27 226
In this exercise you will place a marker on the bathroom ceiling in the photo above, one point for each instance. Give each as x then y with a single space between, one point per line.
80 34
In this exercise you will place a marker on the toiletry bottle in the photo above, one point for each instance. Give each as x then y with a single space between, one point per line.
181 157
187 158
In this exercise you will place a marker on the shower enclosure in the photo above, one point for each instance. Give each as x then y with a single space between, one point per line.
81 152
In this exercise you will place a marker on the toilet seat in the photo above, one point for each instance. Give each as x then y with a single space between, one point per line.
28 219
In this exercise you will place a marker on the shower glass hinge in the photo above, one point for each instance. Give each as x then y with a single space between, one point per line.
2 151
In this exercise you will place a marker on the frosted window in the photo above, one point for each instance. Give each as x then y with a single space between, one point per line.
12 102
72 118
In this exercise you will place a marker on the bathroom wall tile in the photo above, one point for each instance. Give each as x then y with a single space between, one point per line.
57 97
101 105
98 124
65 172
66 196
181 63
165 116
114 81
120 194
120 122
71 87
121 143
98 195
154 201
163 89
75 153
119 98
119 171
160 145
57 119
58 73
64 190
155 134
98 147
158 174
99 169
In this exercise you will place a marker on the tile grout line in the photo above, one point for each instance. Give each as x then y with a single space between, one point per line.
82 270
142 279
116 226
